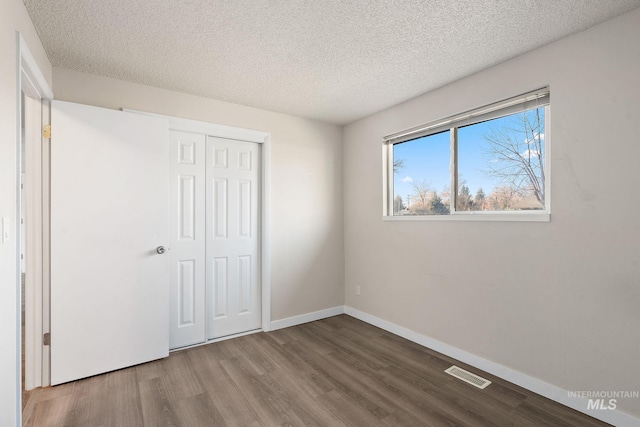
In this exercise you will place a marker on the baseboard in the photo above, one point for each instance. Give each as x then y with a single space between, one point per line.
305 318
550 391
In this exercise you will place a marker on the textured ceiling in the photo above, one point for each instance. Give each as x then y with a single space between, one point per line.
332 60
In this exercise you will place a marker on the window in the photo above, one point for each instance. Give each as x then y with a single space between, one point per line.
494 158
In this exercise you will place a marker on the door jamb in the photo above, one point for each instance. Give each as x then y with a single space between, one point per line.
31 213
31 81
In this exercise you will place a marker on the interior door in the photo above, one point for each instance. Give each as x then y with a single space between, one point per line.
187 239
233 237
109 213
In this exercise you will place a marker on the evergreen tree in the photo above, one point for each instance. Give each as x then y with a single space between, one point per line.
436 206
478 201
464 201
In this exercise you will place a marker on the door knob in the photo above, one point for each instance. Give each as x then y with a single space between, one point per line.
160 250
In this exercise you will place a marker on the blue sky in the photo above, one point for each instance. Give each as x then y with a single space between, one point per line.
427 159
422 162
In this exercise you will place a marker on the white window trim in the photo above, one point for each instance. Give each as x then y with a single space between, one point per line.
431 128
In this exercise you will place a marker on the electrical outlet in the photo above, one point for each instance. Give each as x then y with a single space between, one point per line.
358 290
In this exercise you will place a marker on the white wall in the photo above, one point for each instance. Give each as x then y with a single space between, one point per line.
13 17
306 179
558 301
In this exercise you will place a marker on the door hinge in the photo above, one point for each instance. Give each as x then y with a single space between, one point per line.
46 131
47 338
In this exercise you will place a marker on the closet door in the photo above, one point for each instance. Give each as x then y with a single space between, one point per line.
232 237
187 239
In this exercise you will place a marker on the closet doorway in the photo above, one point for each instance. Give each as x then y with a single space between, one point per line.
215 247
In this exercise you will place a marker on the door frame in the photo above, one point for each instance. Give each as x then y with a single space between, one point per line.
248 135
32 82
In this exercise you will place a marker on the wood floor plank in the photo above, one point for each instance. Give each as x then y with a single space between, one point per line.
181 379
351 343
46 393
199 410
403 418
534 404
312 342
333 372
538 417
226 349
233 406
254 356
29 400
268 405
155 406
423 393
308 379
89 397
206 365
149 371
52 412
475 401
348 383
231 403
281 336
306 407
356 325
428 415
490 402
345 409
413 356
123 399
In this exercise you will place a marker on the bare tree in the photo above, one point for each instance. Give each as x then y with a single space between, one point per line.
515 153
445 195
504 198
420 200
398 164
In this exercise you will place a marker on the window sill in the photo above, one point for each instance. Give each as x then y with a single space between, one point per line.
476 216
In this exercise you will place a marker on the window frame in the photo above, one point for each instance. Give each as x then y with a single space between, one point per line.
539 98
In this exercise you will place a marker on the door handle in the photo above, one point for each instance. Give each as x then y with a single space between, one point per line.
160 250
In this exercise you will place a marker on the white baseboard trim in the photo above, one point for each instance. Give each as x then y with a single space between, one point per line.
305 318
550 391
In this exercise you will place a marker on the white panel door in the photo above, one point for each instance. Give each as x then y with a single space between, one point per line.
109 213
233 237
187 239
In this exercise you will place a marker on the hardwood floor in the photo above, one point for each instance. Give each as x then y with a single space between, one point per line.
333 372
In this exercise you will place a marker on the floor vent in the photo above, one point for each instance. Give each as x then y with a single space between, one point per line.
467 377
